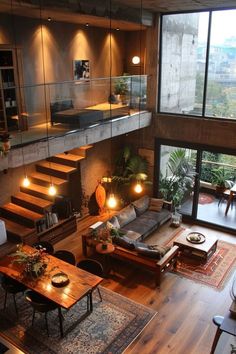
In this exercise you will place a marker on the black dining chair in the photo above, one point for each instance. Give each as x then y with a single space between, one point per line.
94 267
46 245
66 256
11 286
41 304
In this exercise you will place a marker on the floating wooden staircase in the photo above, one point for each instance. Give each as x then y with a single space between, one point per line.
31 203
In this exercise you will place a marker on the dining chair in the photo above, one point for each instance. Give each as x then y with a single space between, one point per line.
44 244
41 304
66 256
94 267
11 286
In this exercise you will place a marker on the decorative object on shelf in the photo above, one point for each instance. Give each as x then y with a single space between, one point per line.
196 237
5 144
33 264
60 280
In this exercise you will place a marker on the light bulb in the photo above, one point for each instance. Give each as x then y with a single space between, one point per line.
111 202
138 187
52 190
135 60
26 182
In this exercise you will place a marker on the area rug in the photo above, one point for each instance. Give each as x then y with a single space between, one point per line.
215 272
112 326
205 198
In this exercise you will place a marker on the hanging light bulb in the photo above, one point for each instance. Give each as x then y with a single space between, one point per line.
138 188
111 202
26 181
52 190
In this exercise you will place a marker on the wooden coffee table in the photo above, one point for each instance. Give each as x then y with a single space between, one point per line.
201 252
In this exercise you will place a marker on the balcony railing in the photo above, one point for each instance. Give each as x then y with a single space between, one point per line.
100 99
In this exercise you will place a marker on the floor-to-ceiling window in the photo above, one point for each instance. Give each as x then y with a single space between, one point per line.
198 64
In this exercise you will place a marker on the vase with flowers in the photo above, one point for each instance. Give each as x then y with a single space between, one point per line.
33 263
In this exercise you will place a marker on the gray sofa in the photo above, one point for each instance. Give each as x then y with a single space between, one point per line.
138 220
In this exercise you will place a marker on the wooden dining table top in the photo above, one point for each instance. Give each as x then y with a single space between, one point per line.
80 281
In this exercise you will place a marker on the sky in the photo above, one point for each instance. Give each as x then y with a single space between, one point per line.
223 26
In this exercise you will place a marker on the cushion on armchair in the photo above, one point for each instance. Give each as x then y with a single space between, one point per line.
125 242
156 204
141 205
126 215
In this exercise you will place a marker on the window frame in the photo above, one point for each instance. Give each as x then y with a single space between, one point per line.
203 115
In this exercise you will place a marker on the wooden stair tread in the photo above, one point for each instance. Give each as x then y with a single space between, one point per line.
57 167
86 147
43 203
25 213
70 157
46 178
17 229
36 188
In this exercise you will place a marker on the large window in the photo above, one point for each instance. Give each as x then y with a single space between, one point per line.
198 64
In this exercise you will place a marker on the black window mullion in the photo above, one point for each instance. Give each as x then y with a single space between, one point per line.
207 63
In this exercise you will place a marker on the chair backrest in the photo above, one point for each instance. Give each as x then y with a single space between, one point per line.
66 256
91 266
44 244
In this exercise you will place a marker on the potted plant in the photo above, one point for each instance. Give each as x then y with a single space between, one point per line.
5 143
219 177
121 89
178 180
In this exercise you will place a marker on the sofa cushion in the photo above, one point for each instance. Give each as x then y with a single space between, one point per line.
156 204
141 205
152 251
141 225
125 242
131 234
160 217
126 215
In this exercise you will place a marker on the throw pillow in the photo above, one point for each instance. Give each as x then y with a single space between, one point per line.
154 251
141 205
114 222
156 204
126 215
124 242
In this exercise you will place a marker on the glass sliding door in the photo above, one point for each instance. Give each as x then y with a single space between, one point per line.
177 176
217 178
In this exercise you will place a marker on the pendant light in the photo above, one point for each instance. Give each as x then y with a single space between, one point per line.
138 187
111 200
52 191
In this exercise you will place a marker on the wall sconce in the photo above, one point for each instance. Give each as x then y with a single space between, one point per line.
136 60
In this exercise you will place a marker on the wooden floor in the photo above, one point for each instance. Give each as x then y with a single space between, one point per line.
185 309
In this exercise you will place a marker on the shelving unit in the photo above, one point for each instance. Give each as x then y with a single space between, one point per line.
8 91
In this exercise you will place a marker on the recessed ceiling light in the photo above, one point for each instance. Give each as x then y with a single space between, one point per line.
87 24
117 29
49 19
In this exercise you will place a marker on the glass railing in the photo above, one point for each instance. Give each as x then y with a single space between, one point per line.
56 109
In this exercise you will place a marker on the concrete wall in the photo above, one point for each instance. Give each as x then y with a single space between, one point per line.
47 53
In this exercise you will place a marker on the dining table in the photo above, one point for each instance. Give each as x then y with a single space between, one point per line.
231 198
81 283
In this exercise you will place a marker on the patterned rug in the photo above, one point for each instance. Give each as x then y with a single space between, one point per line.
110 328
215 272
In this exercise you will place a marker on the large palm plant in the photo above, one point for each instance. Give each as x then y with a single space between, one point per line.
179 177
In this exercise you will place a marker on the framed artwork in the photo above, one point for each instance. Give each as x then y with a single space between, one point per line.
81 69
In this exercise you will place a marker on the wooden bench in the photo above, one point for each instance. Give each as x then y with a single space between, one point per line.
159 267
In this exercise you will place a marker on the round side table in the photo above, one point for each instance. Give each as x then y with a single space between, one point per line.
105 252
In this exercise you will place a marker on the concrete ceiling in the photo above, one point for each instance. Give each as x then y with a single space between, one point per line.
178 5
